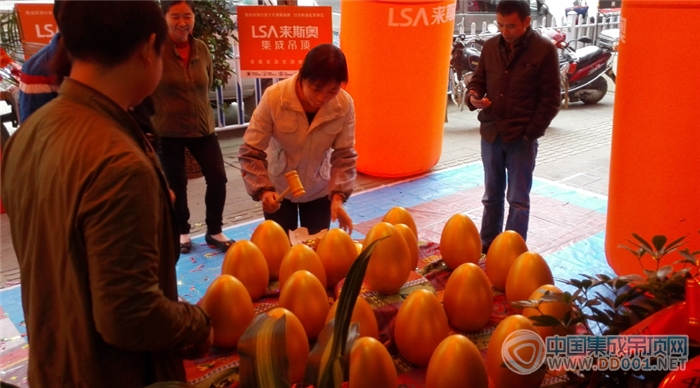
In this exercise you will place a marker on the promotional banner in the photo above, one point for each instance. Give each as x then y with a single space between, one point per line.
274 40
36 21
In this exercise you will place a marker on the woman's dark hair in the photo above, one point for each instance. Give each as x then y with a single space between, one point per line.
324 64
165 5
108 32
507 7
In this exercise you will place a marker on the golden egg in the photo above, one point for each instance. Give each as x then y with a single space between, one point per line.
230 309
467 298
299 257
304 295
504 249
246 262
456 362
274 244
371 365
460 241
528 272
421 324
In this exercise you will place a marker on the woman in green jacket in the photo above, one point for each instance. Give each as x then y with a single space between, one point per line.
183 119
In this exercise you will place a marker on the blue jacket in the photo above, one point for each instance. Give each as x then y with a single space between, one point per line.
37 85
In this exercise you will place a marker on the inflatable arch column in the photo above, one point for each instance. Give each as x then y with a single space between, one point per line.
398 54
655 161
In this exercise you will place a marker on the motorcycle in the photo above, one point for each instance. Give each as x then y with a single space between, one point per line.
466 51
463 61
581 70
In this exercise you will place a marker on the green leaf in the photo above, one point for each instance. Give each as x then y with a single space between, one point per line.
644 242
524 304
603 277
659 241
664 271
317 363
545 320
263 353
346 304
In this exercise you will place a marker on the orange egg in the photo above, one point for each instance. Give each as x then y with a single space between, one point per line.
246 262
467 298
555 309
399 215
528 272
421 324
273 243
504 249
390 263
371 365
525 350
297 343
456 362
230 309
411 242
362 314
304 295
337 253
301 257
460 241
359 247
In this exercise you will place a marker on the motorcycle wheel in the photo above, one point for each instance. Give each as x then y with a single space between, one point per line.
601 86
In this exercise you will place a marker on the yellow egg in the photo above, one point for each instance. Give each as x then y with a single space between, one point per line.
456 363
362 314
304 295
337 253
524 347
273 243
296 341
411 242
359 247
460 242
246 262
371 365
230 309
399 215
528 272
421 324
504 249
390 263
301 257
555 309
468 298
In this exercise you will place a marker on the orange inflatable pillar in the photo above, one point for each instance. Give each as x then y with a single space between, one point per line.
654 178
398 54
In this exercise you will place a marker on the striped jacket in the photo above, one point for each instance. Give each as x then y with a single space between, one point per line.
36 84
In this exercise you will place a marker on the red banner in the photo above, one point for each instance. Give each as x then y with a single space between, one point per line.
274 40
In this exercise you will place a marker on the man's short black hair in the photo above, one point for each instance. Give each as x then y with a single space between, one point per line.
324 64
108 32
508 7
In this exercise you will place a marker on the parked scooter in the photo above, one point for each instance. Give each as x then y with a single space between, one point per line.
466 51
581 70
463 61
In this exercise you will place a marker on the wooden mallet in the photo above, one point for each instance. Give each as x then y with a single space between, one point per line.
294 185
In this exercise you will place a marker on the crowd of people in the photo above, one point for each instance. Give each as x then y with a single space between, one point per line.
96 190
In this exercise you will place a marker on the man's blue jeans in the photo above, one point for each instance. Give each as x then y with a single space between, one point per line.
512 163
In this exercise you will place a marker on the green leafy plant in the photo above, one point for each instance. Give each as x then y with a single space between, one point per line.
214 26
332 371
610 305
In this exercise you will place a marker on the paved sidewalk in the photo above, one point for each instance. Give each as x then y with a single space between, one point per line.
575 151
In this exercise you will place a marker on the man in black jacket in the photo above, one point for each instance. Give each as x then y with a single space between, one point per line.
516 86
